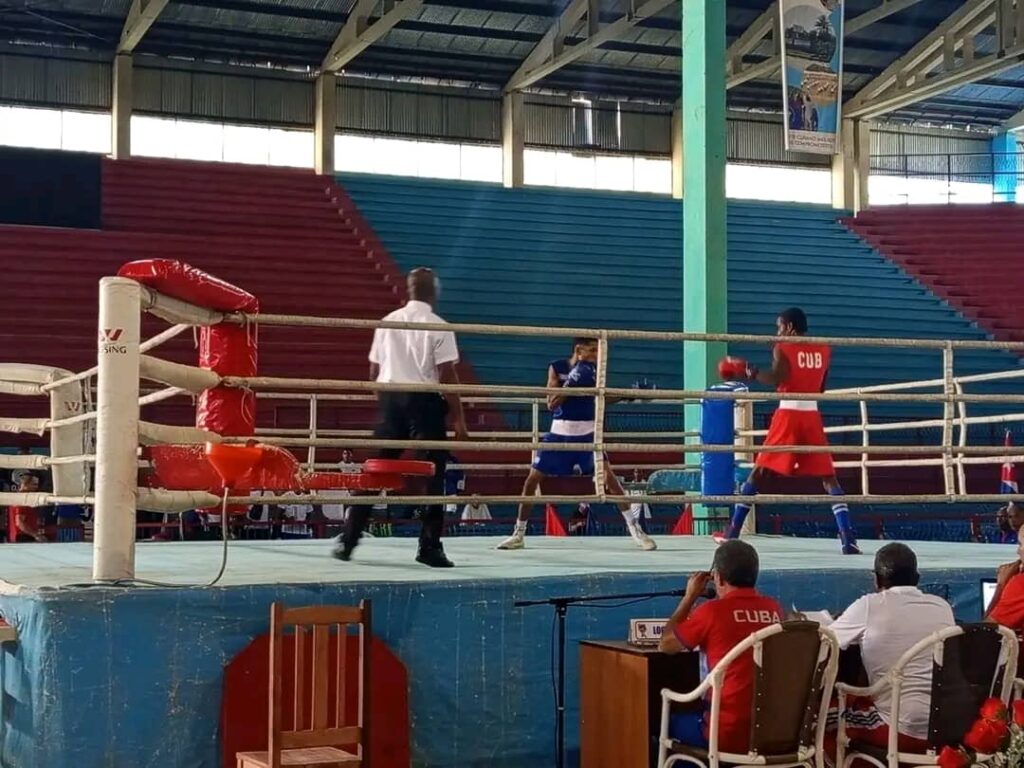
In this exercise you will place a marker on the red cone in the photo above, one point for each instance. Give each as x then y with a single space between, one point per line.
552 525
684 525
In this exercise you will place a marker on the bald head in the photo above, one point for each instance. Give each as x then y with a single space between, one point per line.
423 285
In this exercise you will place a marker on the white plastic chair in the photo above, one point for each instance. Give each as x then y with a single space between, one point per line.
795 663
995 681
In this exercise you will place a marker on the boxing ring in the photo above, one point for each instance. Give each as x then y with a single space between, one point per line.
132 675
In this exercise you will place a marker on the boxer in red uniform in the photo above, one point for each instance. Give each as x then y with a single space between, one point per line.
797 367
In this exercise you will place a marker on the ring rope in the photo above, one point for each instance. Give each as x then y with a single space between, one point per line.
612 334
660 395
674 499
591 447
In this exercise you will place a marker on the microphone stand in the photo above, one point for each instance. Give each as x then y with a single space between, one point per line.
561 605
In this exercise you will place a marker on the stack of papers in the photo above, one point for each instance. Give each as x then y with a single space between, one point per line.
824 618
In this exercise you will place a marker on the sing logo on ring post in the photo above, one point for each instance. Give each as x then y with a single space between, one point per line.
110 341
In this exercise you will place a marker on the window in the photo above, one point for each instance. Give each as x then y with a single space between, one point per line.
85 132
628 173
901 190
246 144
291 148
481 163
778 183
411 157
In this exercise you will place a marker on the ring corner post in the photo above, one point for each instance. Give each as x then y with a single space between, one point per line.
704 207
117 428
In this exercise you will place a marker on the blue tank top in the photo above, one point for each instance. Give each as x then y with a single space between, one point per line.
578 410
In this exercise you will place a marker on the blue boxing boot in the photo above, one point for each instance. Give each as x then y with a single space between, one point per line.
739 515
841 512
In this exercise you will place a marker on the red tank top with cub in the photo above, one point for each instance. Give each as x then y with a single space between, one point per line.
808 366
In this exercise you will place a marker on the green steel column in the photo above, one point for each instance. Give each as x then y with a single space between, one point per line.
704 142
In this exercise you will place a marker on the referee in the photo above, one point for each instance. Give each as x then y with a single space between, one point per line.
413 357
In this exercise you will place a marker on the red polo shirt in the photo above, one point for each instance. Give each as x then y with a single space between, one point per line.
28 515
715 628
1009 611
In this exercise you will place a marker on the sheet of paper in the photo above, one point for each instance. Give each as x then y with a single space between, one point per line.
824 618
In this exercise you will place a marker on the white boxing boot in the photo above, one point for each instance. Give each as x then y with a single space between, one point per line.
518 538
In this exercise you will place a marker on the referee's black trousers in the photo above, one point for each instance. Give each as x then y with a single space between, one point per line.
409 416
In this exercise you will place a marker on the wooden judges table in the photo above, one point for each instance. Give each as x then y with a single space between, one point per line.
620 700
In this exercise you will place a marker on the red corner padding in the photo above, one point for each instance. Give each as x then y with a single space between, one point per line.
229 350
183 281
398 467
226 348
188 468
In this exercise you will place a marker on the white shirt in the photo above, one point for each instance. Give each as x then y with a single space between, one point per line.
885 625
412 357
337 511
297 513
476 512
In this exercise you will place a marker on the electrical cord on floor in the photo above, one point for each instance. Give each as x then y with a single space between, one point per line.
225 529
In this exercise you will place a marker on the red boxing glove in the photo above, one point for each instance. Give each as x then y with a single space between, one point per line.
732 369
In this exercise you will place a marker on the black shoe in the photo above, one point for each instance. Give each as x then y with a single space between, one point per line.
435 558
342 551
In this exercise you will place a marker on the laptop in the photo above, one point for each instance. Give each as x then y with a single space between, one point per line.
988 591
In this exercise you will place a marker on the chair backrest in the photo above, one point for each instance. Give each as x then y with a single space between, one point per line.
970 663
310 699
794 671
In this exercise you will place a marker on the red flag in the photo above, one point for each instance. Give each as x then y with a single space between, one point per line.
552 525
1008 476
684 525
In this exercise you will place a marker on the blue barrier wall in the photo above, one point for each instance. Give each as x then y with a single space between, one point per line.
115 678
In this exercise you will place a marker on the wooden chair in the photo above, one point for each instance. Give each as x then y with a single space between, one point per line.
970 663
308 727
795 665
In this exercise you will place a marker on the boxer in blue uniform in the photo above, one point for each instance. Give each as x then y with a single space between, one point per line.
573 422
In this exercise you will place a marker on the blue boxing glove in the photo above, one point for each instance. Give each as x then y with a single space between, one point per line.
583 374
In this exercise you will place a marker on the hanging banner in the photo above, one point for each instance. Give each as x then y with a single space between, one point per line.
812 73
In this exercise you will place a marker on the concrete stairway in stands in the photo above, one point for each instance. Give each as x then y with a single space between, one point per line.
968 255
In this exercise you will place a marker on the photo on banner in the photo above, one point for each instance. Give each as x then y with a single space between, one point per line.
812 73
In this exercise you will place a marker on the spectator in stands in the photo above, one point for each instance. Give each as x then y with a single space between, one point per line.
18 474
348 463
70 522
297 519
24 523
454 483
334 512
714 628
885 624
1009 519
579 519
476 511
1007 606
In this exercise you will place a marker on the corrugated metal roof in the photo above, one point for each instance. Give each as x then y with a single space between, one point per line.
484 41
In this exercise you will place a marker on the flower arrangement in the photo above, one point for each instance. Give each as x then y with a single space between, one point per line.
996 738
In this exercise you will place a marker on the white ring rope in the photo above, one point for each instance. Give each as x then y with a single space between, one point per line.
676 499
592 447
659 395
306 321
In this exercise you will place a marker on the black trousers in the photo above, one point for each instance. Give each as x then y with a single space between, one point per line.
409 416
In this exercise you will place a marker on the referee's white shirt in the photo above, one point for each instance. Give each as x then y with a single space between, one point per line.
412 357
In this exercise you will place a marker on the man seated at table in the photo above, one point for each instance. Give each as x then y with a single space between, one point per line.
714 628
886 624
